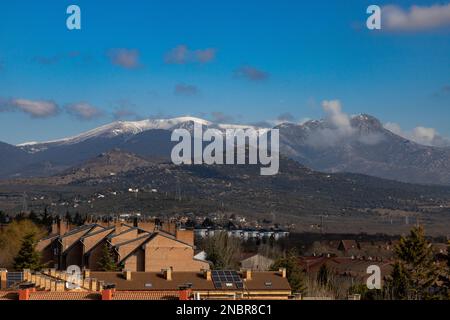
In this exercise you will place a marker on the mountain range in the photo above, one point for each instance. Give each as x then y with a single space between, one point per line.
361 146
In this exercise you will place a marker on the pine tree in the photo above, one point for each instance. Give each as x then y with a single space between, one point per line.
294 273
28 257
107 261
446 275
415 271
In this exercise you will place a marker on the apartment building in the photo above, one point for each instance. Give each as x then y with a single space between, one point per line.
140 248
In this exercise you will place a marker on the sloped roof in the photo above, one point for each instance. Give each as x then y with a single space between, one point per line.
146 238
86 229
348 244
155 281
94 245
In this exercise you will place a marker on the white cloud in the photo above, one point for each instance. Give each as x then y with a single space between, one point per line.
334 116
421 135
34 108
251 73
338 127
416 17
182 54
125 58
84 111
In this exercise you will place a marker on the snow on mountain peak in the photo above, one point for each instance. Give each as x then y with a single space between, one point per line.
114 129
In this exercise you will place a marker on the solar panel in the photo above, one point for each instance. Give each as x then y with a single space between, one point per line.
226 278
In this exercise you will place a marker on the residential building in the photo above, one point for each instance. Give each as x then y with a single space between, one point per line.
136 249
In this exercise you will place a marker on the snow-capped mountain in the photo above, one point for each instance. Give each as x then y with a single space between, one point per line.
128 129
364 146
359 145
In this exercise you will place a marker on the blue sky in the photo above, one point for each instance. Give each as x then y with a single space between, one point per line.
240 61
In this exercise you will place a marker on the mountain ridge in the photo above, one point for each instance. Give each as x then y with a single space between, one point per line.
363 145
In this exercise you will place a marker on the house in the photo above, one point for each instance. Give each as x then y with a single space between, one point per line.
348 245
257 262
163 285
137 249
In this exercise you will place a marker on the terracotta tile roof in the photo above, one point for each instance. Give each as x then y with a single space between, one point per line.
341 265
146 295
65 295
262 281
115 235
348 244
139 239
94 231
154 281
91 246
86 227
126 248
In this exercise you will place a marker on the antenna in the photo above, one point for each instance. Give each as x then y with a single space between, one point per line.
178 190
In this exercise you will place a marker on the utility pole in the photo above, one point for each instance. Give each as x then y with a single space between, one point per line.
24 203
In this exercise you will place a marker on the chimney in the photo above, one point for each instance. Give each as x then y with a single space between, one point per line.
60 226
108 291
127 275
59 286
93 286
3 278
167 274
53 285
185 294
55 227
27 274
87 273
282 271
248 274
25 290
87 283
107 294
207 274
38 278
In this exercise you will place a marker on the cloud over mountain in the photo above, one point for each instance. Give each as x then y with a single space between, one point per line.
421 135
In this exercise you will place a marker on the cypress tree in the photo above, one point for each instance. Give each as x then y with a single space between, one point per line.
107 261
